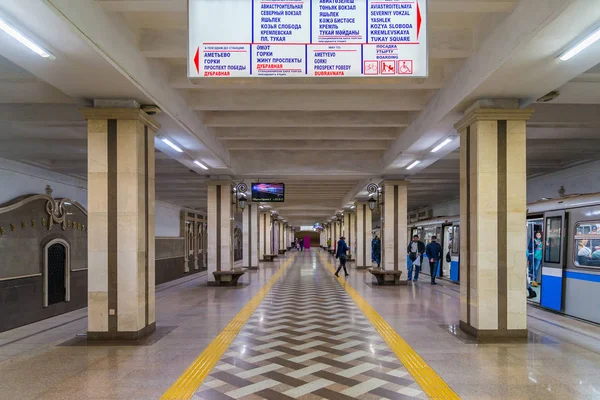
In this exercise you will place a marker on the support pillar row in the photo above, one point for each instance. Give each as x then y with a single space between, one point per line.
364 227
250 236
220 254
264 233
394 227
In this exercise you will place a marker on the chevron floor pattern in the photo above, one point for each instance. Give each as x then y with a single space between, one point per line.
308 340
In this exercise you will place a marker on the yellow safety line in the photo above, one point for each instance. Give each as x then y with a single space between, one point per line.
431 383
187 384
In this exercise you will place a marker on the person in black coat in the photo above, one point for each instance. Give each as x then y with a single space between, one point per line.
342 248
434 254
415 250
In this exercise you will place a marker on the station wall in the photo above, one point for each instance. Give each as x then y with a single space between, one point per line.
28 230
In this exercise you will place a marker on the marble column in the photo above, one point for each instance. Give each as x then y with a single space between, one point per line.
493 273
282 241
394 227
364 227
220 255
121 261
337 232
264 233
350 233
250 236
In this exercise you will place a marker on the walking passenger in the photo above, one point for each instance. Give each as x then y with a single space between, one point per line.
376 251
329 244
415 251
301 244
434 254
342 248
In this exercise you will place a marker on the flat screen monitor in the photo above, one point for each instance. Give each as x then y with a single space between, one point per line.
268 192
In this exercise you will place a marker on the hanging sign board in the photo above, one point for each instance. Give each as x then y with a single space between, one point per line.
307 38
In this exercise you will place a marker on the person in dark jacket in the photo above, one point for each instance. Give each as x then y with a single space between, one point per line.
376 251
342 248
434 254
415 251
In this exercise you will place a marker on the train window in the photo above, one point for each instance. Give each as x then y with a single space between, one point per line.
587 244
456 240
553 239
428 232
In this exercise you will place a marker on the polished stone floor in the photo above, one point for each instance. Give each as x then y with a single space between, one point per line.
47 360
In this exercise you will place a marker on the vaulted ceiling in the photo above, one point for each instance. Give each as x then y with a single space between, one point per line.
326 138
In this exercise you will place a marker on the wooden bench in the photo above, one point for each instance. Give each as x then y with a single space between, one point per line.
228 278
269 257
386 277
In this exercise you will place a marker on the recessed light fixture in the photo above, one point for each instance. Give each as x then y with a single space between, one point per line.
414 164
579 47
198 163
439 146
171 145
37 49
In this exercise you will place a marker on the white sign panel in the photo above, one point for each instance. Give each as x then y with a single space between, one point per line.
307 38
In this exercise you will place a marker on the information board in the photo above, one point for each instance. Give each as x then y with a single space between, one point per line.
307 38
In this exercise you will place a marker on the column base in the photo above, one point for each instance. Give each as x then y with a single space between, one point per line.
119 336
494 335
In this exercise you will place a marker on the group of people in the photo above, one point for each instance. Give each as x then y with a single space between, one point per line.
298 244
416 250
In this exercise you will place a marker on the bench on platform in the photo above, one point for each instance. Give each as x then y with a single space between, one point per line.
269 257
228 278
385 277
282 251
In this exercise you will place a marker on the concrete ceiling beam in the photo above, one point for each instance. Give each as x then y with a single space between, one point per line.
308 145
334 119
262 134
303 100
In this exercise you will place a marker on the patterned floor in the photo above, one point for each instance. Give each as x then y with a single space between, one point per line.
308 340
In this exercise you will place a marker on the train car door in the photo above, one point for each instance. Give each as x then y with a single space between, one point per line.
553 260
447 242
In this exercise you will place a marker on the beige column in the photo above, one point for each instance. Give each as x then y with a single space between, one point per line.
336 234
282 230
250 230
121 222
350 232
364 226
493 220
220 255
394 227
264 233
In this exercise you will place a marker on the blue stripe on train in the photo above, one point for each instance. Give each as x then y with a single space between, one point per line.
582 276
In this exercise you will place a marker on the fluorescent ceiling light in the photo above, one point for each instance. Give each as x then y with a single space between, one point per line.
579 47
26 42
439 146
198 163
414 164
172 145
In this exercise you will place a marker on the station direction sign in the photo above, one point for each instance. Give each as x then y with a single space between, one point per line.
307 38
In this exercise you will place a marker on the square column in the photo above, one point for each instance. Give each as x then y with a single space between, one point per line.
121 301
337 226
364 227
264 235
493 220
394 227
350 232
250 236
282 241
220 255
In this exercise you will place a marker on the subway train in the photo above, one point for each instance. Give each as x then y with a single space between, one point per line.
563 253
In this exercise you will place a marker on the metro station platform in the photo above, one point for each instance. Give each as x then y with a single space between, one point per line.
293 330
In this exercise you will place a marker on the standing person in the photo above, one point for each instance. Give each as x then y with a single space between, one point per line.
342 248
535 250
376 250
301 244
415 251
329 244
434 253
